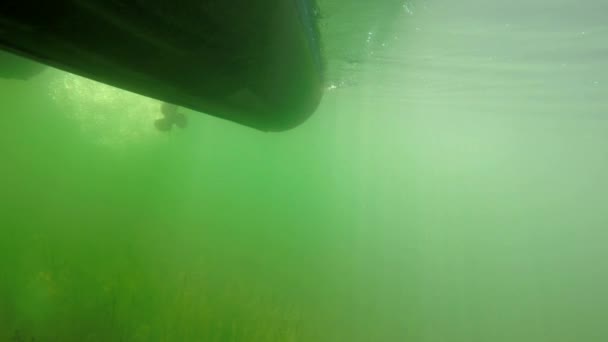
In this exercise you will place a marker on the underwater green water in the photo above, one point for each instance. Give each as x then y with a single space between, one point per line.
451 187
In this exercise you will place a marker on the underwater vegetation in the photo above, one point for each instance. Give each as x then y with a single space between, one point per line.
133 310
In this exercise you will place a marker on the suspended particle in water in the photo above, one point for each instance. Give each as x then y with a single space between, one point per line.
407 7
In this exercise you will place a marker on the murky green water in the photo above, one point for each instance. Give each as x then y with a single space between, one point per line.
451 187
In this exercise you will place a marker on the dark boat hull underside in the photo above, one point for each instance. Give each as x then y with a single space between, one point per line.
253 62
